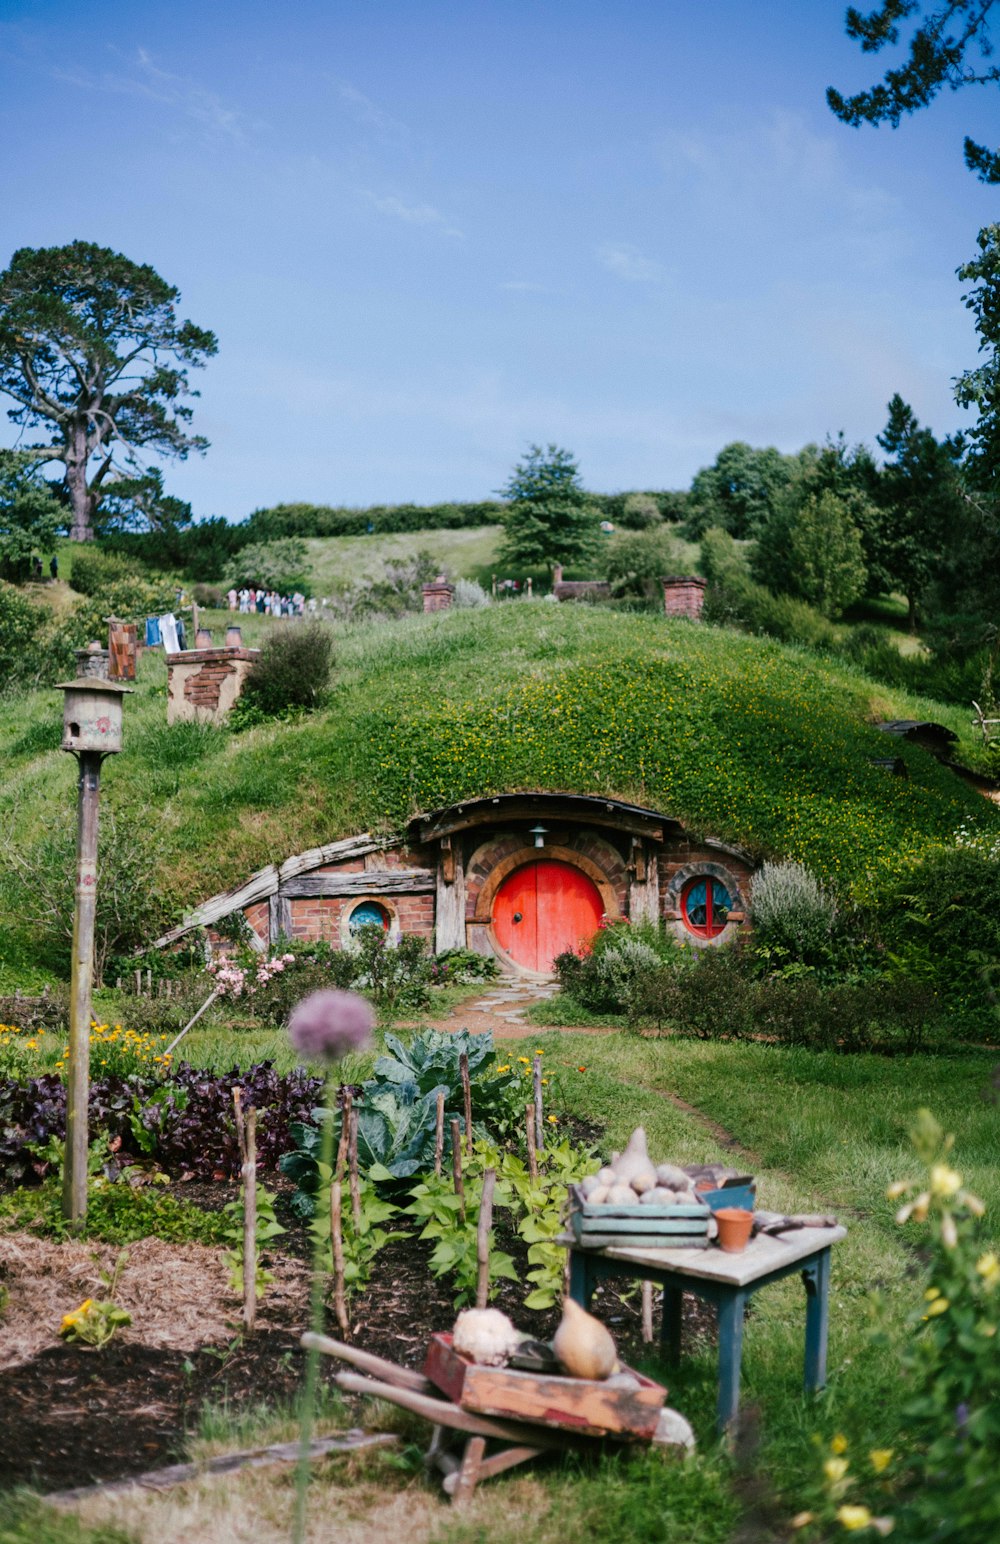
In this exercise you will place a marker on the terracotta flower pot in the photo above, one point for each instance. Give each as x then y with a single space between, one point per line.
734 1228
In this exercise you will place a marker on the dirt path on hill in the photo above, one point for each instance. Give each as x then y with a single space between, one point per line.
502 1009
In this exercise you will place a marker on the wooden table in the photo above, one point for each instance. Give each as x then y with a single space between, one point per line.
728 1281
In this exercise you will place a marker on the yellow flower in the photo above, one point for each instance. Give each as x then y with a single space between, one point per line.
988 1267
524 1059
835 1469
854 1517
880 1459
932 1293
839 1443
553 1120
505 1068
940 1305
944 1181
538 1052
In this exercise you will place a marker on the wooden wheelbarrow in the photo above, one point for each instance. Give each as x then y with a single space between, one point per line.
559 1419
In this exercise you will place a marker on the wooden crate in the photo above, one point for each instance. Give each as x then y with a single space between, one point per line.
575 1404
651 1227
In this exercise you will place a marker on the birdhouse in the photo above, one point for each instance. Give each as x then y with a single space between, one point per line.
92 715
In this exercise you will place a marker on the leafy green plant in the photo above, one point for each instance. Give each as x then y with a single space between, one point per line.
435 1204
117 1213
362 1240
96 1322
542 1205
268 1227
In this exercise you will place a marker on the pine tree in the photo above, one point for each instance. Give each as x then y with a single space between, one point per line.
549 518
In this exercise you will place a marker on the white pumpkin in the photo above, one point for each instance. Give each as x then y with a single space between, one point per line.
635 1159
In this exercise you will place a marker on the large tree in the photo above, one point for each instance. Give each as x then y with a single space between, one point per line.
946 36
549 518
92 352
740 491
922 503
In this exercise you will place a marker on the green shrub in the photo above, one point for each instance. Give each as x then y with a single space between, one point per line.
293 671
792 915
21 637
280 565
95 570
940 919
209 595
636 562
713 997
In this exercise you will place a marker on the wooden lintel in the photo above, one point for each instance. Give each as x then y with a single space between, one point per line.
371 882
578 812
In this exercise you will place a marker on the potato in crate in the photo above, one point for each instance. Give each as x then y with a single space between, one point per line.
635 1202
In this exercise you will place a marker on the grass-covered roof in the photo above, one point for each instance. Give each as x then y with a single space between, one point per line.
741 738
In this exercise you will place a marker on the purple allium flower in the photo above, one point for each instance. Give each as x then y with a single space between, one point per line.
327 1025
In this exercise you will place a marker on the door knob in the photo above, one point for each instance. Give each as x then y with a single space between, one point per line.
518 917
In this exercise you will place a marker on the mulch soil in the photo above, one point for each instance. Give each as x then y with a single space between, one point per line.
72 1416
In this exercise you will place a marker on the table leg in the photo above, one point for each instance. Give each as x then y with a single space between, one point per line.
816 1279
731 1311
670 1328
581 1282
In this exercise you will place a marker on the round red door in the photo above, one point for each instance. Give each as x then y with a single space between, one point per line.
543 909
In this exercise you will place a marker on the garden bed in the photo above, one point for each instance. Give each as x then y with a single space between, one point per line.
140 1398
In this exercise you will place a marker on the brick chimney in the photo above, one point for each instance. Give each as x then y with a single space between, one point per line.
438 594
683 596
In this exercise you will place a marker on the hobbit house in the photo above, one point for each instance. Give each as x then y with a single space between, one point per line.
520 877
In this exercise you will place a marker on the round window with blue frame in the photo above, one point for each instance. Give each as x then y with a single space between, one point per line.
369 914
705 906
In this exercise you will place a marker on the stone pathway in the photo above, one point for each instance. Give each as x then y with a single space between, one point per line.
503 1008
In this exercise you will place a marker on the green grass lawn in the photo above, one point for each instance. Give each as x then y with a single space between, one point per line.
338 560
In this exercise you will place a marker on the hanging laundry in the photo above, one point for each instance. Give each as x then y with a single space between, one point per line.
153 639
168 633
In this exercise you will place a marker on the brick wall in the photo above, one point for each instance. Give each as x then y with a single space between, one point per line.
683 597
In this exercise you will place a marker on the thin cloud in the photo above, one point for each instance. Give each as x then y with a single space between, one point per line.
412 214
628 263
363 110
179 92
524 287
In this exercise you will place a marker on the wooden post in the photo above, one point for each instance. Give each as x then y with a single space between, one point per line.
483 1238
647 1312
456 1166
337 1240
529 1123
539 1127
439 1135
138 983
352 1169
463 1064
74 1195
346 1103
246 1132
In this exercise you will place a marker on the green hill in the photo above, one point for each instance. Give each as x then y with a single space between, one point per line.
749 740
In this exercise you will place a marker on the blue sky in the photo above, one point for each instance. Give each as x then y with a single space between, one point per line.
429 232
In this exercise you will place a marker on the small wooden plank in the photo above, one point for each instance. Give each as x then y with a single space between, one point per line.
370 882
442 1412
582 1405
467 1478
390 1372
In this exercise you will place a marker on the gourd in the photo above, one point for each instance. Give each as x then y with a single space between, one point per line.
584 1347
635 1159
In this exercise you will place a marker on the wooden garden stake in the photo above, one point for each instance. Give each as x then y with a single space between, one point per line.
529 1126
352 1167
647 1312
439 1135
346 1105
539 1128
246 1132
456 1166
138 983
337 1239
463 1064
483 1238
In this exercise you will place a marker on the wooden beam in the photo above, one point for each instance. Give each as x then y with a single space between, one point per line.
265 882
279 917
581 810
371 882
